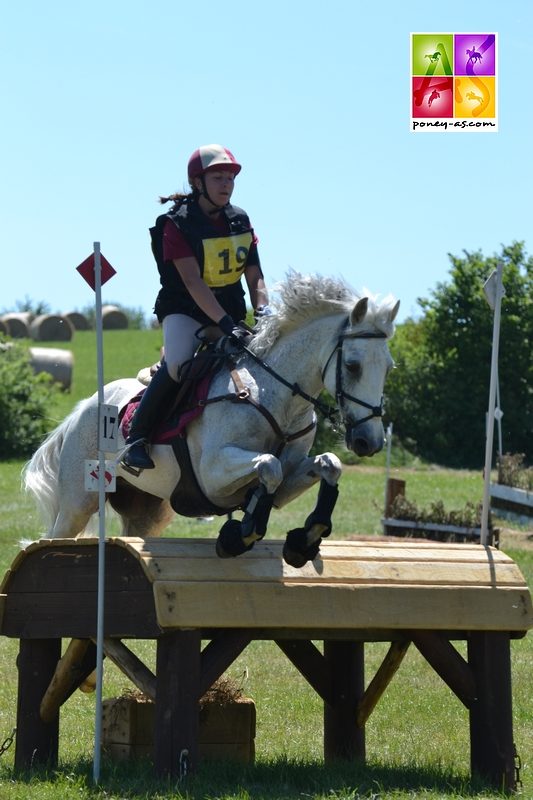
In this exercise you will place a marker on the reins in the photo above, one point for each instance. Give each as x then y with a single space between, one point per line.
326 410
242 393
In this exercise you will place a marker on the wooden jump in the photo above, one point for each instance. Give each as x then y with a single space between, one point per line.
179 593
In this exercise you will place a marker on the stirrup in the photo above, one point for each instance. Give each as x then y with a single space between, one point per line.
136 456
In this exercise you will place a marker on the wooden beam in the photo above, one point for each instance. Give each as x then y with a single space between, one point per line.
37 742
492 753
177 715
380 681
310 662
66 673
138 673
219 654
447 663
342 738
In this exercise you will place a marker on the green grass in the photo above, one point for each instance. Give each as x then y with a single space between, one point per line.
417 737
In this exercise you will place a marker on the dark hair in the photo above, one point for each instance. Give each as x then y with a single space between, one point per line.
180 197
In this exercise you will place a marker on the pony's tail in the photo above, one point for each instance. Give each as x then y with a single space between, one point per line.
40 476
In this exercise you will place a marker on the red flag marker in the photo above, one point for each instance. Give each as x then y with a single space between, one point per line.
86 270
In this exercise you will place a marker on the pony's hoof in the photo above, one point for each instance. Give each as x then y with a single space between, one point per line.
296 552
229 543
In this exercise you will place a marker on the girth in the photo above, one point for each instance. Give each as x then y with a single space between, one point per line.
187 498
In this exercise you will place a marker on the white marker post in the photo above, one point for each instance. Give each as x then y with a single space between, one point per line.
101 519
388 441
494 292
100 476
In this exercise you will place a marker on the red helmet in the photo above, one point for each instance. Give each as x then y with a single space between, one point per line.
210 156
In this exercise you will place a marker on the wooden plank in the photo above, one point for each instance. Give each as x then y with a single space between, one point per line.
450 573
512 494
381 680
127 614
371 547
263 605
75 568
155 555
414 525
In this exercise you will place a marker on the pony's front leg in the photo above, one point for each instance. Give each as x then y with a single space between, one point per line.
305 474
303 544
238 536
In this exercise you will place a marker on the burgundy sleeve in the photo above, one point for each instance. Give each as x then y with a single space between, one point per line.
174 243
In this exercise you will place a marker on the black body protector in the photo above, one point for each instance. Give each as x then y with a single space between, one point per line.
222 259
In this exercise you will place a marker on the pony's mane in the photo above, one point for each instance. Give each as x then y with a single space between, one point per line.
302 298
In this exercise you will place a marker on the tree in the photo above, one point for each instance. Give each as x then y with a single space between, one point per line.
24 402
438 396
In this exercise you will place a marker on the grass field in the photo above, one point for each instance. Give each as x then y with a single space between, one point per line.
417 738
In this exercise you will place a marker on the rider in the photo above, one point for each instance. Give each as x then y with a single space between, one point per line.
203 247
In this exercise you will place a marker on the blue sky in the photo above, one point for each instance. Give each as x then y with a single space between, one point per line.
103 103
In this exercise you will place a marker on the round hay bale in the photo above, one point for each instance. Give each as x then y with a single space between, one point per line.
18 324
113 318
78 321
57 363
3 327
51 328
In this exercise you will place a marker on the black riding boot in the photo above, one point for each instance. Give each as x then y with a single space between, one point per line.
151 409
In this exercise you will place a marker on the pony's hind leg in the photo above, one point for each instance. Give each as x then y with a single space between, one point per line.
73 519
142 514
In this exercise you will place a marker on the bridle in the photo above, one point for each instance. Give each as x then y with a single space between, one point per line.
340 394
330 412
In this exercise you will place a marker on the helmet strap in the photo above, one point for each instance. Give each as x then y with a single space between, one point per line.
205 193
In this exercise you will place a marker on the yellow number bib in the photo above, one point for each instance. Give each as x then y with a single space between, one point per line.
225 258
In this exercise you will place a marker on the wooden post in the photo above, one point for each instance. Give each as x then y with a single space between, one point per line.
37 742
395 487
342 738
177 717
491 715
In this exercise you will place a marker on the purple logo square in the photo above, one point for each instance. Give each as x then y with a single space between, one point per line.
475 54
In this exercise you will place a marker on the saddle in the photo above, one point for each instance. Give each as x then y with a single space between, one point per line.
187 498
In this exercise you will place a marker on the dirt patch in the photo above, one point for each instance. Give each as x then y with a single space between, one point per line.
512 539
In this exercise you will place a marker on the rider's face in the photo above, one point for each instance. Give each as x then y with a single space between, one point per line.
219 184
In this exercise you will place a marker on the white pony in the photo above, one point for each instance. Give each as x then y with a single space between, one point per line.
252 453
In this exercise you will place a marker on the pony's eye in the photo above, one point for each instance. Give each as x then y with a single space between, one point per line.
354 368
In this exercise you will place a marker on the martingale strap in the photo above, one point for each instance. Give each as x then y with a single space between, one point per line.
242 395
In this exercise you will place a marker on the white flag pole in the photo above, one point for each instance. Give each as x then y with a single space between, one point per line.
496 298
101 521
388 437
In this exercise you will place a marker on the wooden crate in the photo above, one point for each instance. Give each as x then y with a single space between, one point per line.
226 731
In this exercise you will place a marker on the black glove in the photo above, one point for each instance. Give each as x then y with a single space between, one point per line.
226 325
236 335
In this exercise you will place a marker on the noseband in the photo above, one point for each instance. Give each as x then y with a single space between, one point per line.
340 394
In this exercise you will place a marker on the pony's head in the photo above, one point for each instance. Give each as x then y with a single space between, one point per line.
356 372
355 365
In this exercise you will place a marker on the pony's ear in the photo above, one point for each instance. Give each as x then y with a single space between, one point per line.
359 311
394 312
